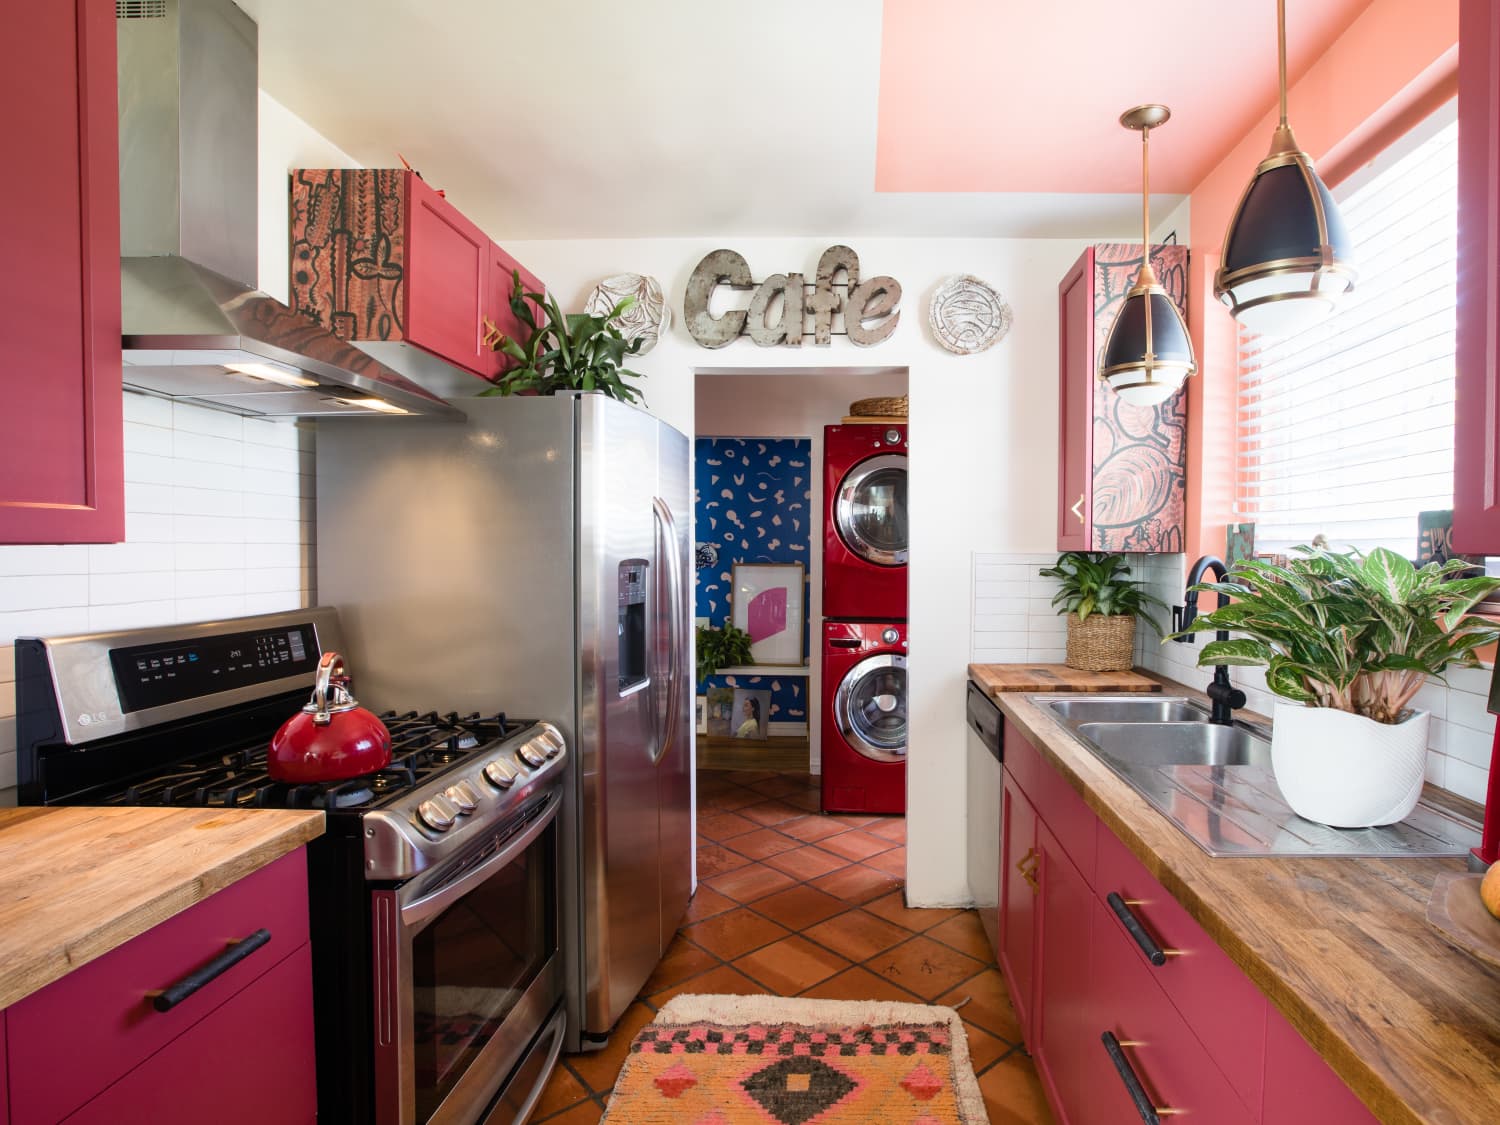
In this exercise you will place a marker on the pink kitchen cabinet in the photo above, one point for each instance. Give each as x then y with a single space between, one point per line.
61 429
107 1013
1062 1002
1018 894
1300 1088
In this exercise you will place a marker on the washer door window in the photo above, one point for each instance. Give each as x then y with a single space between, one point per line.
870 513
870 708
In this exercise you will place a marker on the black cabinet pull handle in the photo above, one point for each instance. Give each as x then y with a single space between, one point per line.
169 998
1154 953
1150 1115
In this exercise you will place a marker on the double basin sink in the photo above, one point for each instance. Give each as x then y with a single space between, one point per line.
1215 781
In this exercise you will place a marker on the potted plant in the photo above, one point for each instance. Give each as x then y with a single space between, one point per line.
1101 605
725 647
566 352
1347 642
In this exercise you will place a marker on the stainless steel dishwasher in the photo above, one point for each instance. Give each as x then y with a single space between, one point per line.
986 751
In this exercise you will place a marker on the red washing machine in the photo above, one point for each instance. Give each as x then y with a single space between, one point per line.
864 717
864 522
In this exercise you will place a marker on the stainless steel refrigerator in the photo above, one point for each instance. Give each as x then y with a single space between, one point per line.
535 558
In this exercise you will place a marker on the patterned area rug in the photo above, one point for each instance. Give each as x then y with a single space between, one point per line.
757 1060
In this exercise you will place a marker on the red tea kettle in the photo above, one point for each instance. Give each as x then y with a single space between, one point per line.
330 739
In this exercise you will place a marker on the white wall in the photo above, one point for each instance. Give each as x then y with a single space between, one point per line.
984 452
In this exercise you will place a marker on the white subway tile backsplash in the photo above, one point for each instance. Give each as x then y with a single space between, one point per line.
210 556
151 440
214 423
209 583
123 589
43 591
148 410
148 468
273 580
188 446
998 588
20 561
141 497
1466 780
130 615
42 622
127 557
210 609
207 502
148 527
258 555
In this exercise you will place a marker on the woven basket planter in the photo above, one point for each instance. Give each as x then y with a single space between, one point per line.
1101 644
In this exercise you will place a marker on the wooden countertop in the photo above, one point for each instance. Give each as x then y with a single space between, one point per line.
77 882
998 678
1342 947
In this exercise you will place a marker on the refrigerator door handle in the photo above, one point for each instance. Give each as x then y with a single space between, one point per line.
663 513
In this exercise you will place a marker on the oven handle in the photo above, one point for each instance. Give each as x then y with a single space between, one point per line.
419 910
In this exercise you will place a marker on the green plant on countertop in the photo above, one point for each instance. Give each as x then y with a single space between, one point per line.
1099 582
727 647
566 352
1355 633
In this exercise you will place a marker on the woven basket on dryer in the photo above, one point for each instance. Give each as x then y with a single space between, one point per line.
1101 644
889 407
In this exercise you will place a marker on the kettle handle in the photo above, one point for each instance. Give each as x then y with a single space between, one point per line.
331 666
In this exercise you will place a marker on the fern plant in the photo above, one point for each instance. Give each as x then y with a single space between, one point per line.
1099 582
566 352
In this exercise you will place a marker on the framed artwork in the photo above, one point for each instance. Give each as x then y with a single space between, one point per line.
768 604
752 713
700 714
719 705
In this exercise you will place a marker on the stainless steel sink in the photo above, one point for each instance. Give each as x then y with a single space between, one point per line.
1216 784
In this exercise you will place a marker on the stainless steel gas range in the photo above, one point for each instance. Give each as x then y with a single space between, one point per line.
434 901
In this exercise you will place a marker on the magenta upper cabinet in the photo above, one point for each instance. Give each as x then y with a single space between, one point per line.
61 432
1122 476
1476 479
448 277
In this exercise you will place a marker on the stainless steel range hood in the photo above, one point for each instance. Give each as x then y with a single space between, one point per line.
194 328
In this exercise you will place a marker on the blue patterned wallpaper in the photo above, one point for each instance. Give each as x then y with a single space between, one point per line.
752 504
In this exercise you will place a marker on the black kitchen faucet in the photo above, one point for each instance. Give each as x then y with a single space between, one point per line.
1225 696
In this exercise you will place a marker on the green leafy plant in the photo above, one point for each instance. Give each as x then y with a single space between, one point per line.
727 647
1348 631
1099 582
566 352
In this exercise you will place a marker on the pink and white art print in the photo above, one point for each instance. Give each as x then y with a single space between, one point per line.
768 604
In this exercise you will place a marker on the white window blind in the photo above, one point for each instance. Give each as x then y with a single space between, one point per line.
1346 429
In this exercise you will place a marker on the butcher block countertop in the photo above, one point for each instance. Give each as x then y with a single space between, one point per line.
77 882
997 678
1342 947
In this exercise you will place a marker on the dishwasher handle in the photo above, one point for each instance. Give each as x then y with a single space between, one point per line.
986 721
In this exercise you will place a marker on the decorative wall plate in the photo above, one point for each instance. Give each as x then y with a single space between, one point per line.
646 320
967 315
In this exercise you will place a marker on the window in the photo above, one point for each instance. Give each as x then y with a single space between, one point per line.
1346 430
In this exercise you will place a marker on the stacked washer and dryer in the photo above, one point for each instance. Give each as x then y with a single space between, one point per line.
864 712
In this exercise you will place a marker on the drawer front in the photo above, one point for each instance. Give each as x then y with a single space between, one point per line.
1157 1050
1061 809
1302 1089
103 1012
250 1062
1227 1011
1022 762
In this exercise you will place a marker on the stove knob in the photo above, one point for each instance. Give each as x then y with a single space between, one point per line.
500 775
553 748
464 799
437 813
531 757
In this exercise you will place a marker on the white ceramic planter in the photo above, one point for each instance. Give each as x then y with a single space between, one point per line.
1346 770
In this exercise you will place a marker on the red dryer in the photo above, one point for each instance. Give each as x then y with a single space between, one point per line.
864 717
864 522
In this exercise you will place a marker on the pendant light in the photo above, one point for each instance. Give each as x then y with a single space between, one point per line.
1286 259
1147 354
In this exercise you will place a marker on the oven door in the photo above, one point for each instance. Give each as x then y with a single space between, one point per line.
467 972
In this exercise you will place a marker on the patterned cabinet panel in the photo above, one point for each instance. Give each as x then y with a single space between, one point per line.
1133 496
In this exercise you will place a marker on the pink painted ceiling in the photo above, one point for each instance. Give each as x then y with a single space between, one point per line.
990 96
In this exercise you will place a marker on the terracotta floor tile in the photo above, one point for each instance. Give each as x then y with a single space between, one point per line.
706 902
790 965
984 1048
683 959
857 844
725 825
807 862
893 861
924 966
854 820
750 777
858 935
586 1114
989 1004
965 933
858 983
725 980
812 828
800 906
598 1069
747 884
779 786
890 827
771 813
810 802
562 1091
892 909
734 933
715 859
857 883
1013 1093
763 843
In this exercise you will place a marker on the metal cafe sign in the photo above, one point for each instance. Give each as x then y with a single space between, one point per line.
868 308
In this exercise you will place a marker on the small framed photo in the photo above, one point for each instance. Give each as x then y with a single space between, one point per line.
700 714
768 604
752 713
719 708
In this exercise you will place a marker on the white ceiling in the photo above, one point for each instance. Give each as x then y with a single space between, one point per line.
659 118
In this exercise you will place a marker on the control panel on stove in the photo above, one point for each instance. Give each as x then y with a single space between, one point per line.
155 675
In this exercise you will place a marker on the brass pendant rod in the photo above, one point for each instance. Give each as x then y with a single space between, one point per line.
1281 54
1146 271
